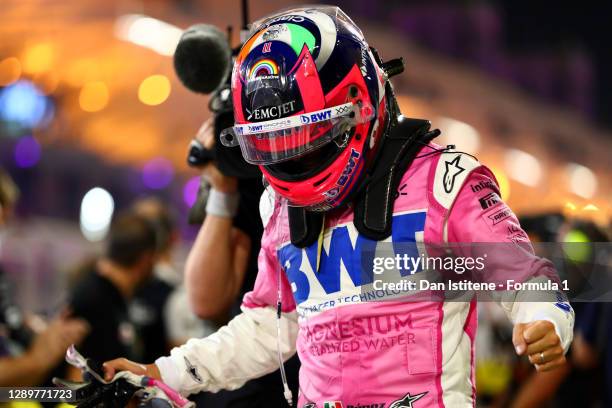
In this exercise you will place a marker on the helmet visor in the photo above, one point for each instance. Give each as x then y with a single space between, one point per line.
287 138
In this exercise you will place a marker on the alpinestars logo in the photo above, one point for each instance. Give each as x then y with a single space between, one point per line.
193 371
407 401
452 171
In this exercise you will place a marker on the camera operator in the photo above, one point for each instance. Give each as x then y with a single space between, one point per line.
224 242
222 264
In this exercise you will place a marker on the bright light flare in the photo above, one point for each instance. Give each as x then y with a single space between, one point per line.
154 90
23 103
148 32
523 167
97 210
582 181
39 58
459 133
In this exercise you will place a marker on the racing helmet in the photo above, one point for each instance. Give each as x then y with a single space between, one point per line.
309 105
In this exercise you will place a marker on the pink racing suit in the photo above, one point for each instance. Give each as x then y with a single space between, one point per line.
358 349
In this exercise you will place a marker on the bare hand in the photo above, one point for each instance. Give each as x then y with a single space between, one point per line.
540 342
112 367
217 180
49 347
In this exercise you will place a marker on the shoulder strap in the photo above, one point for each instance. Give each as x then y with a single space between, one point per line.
374 205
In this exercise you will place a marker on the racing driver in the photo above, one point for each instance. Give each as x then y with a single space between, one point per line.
314 109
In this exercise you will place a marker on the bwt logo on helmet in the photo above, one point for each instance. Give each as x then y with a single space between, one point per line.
346 174
316 117
350 166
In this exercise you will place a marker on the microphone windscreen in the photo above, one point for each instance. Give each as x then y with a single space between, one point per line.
202 58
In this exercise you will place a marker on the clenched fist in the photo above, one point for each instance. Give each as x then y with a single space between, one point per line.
540 342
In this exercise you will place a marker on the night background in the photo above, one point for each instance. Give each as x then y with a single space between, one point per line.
93 117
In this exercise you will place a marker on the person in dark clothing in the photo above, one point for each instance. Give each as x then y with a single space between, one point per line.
593 349
101 296
221 268
38 352
146 309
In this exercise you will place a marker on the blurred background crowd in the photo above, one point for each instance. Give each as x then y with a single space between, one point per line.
95 189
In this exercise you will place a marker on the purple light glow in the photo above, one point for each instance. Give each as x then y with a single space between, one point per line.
190 191
157 173
27 152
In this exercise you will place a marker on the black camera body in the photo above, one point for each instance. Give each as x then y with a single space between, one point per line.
229 160
202 61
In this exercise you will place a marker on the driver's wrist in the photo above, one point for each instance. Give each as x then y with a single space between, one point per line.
153 371
222 204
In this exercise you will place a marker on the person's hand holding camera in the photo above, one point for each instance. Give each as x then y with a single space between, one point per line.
217 180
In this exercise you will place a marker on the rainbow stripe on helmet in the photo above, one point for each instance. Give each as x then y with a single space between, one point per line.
263 67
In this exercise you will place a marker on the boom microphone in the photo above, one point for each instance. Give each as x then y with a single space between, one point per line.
202 58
